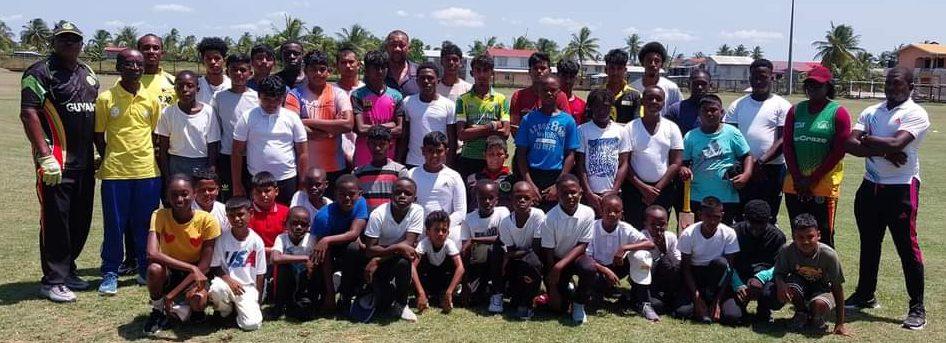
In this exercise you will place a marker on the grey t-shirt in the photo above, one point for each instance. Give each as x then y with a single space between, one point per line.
821 269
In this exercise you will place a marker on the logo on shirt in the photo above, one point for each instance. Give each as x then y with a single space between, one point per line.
240 259
90 80
80 107
601 156
809 273
114 112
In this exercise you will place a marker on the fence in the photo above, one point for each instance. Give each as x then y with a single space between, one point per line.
15 62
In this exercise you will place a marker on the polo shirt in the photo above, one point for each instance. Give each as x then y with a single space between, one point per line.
161 85
330 220
514 237
474 110
375 109
576 107
672 94
878 121
127 120
627 105
407 85
270 141
604 244
269 224
206 91
65 100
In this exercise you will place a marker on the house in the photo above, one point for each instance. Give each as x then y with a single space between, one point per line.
111 52
433 56
927 61
511 67
682 67
729 71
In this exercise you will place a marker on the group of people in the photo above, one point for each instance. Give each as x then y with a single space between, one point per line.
246 187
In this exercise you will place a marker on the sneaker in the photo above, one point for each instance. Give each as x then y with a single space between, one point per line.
648 312
128 268
109 284
337 279
141 280
157 321
857 301
496 303
74 282
275 312
181 311
524 313
578 314
916 318
405 313
57 293
798 321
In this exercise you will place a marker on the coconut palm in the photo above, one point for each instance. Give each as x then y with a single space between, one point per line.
127 37
171 40
416 50
317 40
757 53
547 46
188 49
740 50
633 45
358 38
583 46
523 43
244 44
724 50
97 44
839 47
480 47
35 35
293 29
6 37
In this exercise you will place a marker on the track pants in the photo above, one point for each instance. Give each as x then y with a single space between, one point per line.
65 218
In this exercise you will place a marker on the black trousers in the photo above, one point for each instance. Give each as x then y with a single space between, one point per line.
766 184
544 179
709 281
481 271
665 284
823 208
586 281
295 290
65 218
392 282
524 278
880 207
435 279
287 188
226 178
634 205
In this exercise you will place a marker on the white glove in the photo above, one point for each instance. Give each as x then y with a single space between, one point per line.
49 169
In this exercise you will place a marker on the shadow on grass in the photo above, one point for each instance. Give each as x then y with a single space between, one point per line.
13 293
177 332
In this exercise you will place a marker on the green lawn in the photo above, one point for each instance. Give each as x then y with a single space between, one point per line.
26 317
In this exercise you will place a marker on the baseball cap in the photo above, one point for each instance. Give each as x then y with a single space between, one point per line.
65 27
641 263
820 74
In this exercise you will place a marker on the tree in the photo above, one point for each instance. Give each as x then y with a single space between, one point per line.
757 53
864 62
244 44
127 37
582 46
480 47
699 54
358 38
97 44
839 47
741 51
548 46
171 40
523 43
724 50
890 58
293 29
188 49
416 51
35 35
6 38
317 40
633 44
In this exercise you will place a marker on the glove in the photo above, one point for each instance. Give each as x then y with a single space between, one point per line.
49 169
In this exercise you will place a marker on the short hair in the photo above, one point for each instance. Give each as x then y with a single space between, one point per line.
613 197
616 57
485 182
435 139
288 43
378 133
345 48
600 96
212 43
315 57
122 56
654 208
652 47
711 203
804 221
757 211
262 49
483 61
566 178
160 41
238 58
405 178
377 59
272 86
345 178
205 174
387 38
904 71
436 217
181 177
264 179
431 66
185 73
238 203
759 63
449 48
697 71
496 142
537 57
567 67
299 209
711 98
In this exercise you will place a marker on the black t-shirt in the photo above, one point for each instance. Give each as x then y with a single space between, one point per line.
756 252
289 77
66 103
627 107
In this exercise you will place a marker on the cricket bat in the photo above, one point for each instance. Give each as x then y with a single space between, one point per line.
685 218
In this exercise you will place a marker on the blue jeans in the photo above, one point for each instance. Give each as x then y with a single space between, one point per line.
127 206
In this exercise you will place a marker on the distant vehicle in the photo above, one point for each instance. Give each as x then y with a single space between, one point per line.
26 54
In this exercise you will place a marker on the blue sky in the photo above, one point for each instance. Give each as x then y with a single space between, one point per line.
685 26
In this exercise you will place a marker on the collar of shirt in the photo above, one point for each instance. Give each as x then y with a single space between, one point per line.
501 172
903 106
124 93
259 210
489 95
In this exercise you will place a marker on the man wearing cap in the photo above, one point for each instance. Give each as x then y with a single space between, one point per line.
652 56
889 135
57 107
815 133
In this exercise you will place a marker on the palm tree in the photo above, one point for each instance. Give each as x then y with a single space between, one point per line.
244 44
293 29
757 53
547 46
127 37
724 50
582 46
36 34
699 54
6 37
864 61
523 43
358 38
633 44
480 47
839 47
317 40
97 44
889 58
741 51
416 51
188 49
171 40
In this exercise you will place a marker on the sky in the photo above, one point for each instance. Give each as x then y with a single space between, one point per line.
686 26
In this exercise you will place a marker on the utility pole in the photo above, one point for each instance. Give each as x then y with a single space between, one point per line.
791 42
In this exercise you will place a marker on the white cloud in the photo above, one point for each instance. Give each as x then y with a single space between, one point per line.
752 35
567 23
119 23
172 8
11 17
254 26
402 13
458 16
672 35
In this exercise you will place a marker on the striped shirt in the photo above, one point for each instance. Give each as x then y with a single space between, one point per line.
377 183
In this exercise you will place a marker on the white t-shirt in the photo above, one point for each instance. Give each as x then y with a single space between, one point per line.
206 91
219 211
434 256
455 91
242 260
189 134
672 92
444 191
604 244
520 238
563 232
704 250
758 122
229 107
423 118
670 239
283 244
650 154
601 148
301 198
270 141
475 226
878 121
381 224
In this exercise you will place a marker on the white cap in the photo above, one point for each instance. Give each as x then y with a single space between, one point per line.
640 264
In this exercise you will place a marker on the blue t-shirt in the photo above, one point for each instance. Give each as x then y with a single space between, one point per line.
547 138
686 114
330 220
710 156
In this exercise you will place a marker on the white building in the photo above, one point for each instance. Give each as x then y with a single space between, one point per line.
729 70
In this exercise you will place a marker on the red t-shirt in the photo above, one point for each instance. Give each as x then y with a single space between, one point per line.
576 107
269 224
526 99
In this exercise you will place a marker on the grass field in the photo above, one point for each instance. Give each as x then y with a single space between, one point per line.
24 316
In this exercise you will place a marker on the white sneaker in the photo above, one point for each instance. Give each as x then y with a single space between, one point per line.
578 313
57 293
405 313
337 280
181 311
496 303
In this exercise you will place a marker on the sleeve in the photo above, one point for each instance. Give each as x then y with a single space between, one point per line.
260 257
241 128
156 109
460 110
451 112
422 246
686 247
687 147
842 131
293 104
582 142
399 108
164 126
504 232
101 113
361 209
740 145
404 109
585 229
915 122
298 129
213 134
504 110
561 101
676 137
416 224
862 123
635 236
373 229
156 223
211 228
277 244
33 90
672 246
465 233
782 113
590 248
540 227
522 134
732 243
732 113
571 135
356 107
626 144
458 201
319 225
547 235
218 256
451 247
782 264
834 273
342 101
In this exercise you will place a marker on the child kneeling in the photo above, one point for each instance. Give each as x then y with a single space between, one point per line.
438 269
239 264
